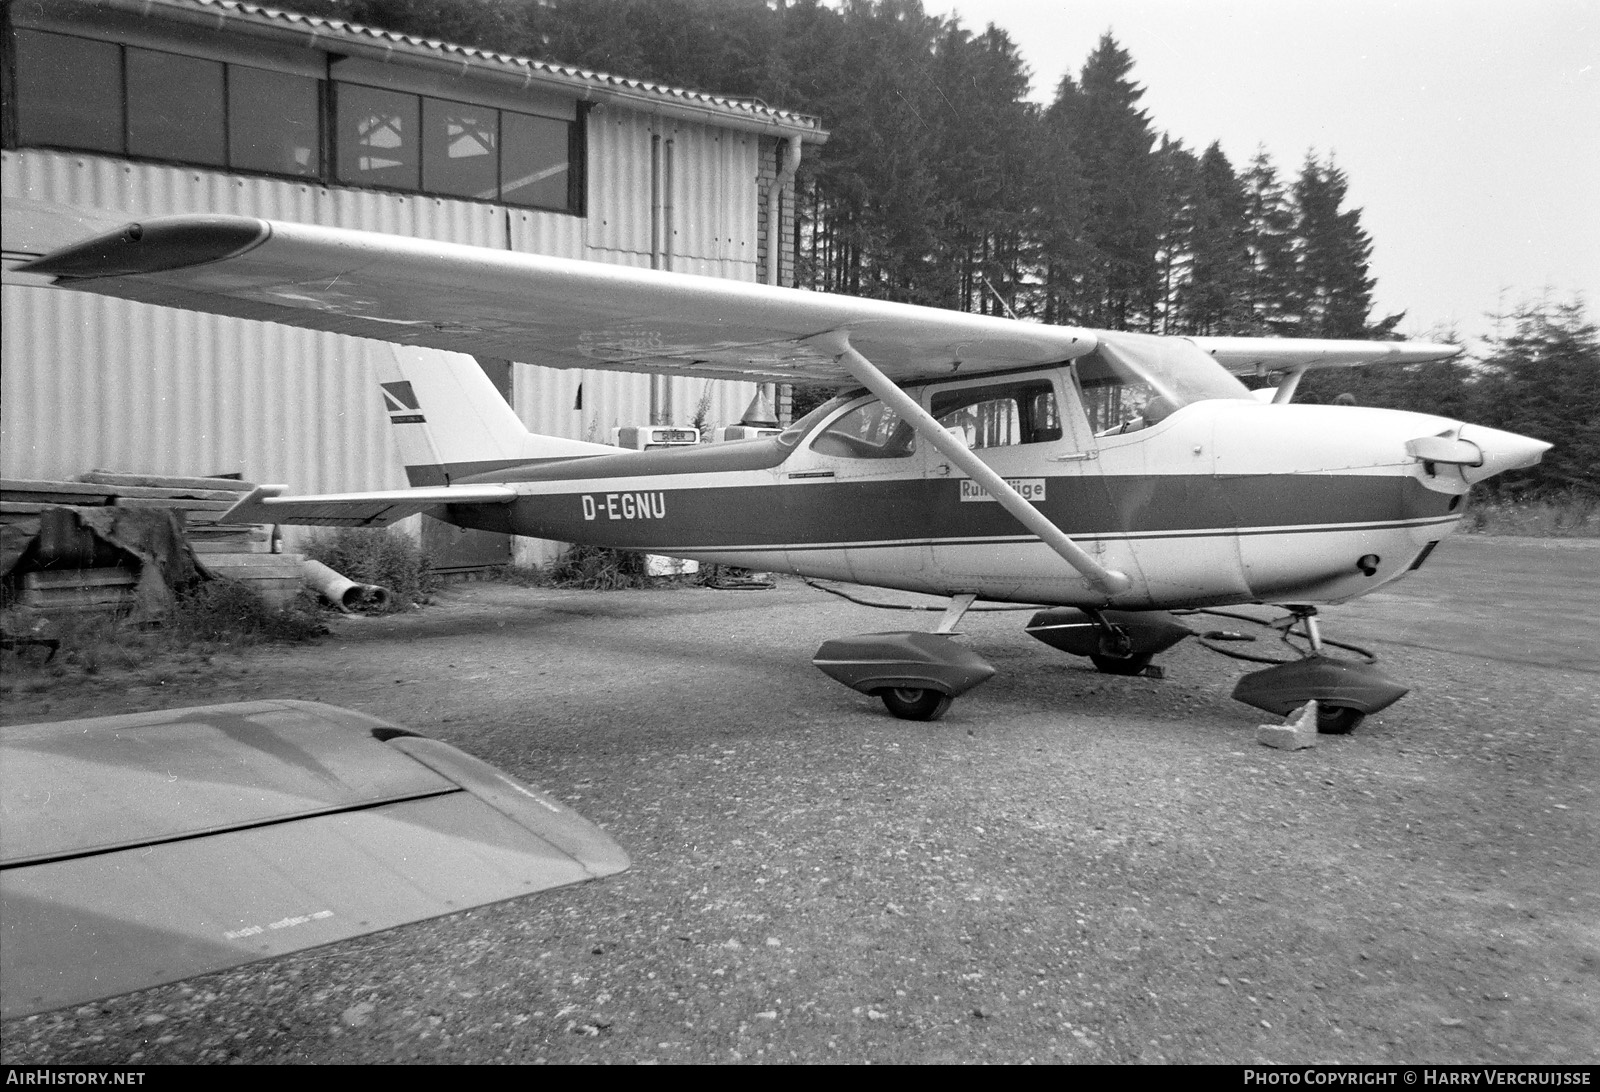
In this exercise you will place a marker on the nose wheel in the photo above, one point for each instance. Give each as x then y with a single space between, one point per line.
1338 720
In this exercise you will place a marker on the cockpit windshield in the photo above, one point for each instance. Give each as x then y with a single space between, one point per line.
1134 380
792 435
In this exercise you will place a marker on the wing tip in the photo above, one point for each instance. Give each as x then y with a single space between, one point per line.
153 246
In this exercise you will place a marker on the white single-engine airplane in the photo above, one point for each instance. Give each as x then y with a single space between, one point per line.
1116 476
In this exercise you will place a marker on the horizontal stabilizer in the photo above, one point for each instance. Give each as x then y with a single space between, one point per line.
380 508
143 849
1260 355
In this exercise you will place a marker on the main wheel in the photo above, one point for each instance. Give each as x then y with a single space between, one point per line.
1122 665
1337 720
913 703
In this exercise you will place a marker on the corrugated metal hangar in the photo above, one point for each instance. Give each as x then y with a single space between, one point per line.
117 110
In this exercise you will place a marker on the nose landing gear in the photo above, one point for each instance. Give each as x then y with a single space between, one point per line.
1345 690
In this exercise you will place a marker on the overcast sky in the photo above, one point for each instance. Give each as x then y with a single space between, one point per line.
1470 129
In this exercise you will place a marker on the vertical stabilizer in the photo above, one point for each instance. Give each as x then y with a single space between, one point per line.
450 422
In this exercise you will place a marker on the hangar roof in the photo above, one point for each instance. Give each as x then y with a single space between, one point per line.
353 39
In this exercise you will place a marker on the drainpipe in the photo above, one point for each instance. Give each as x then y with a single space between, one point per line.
791 164
786 173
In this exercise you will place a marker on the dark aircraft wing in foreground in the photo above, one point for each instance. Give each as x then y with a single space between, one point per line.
139 850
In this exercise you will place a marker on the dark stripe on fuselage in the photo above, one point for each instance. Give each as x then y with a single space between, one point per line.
842 513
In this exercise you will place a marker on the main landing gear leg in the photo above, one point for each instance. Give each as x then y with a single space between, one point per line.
915 675
1116 642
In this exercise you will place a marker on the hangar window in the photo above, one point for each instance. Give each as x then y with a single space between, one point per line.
535 170
460 149
175 108
273 122
378 137
91 116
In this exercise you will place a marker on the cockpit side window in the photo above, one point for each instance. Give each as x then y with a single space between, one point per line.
1003 415
870 431
791 436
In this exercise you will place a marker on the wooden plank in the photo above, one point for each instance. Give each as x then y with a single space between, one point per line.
144 491
55 598
254 532
22 508
176 502
121 606
79 578
229 546
26 490
252 566
161 481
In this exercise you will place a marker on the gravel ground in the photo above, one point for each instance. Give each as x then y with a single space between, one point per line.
1067 867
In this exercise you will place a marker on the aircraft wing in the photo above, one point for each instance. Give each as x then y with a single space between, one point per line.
378 508
1260 355
139 850
539 310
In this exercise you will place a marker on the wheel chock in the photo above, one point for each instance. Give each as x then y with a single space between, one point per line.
1296 733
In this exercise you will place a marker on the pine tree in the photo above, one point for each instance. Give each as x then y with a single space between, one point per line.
1059 221
1333 291
1270 241
1176 177
1122 197
1215 297
1543 380
986 165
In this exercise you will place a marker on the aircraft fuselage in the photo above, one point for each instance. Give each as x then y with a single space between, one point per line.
1223 501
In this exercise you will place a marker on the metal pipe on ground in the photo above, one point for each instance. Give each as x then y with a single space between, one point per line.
341 591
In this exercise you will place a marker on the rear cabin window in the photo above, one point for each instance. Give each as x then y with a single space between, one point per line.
1000 416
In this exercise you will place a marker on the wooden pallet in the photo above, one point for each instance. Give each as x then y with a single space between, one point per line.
108 588
240 552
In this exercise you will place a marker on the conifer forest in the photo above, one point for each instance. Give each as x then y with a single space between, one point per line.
942 184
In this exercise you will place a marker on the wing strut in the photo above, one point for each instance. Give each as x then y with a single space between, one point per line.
1107 580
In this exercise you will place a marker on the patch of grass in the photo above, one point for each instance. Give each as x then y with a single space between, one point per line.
231 612
368 556
1570 515
107 646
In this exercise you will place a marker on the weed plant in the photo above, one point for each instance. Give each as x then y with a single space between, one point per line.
597 568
